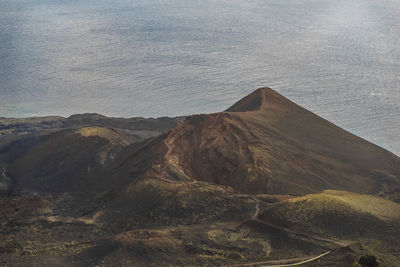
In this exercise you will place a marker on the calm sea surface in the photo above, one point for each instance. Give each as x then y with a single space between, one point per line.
340 59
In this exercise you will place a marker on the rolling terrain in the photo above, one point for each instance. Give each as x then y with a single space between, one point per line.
60 152
265 182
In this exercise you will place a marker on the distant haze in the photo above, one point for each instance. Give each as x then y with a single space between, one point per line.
340 59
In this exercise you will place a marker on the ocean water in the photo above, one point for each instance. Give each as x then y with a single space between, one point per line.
339 59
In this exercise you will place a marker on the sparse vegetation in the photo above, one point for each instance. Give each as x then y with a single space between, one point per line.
242 187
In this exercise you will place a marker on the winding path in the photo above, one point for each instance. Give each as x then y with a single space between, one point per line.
284 262
301 262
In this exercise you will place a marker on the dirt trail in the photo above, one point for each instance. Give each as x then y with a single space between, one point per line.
291 261
284 262
298 263
257 209
341 243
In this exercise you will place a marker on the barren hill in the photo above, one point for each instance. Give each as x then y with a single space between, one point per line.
267 144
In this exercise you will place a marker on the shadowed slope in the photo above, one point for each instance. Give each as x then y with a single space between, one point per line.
61 161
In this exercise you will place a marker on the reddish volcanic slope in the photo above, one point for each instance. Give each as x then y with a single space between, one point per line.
267 144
